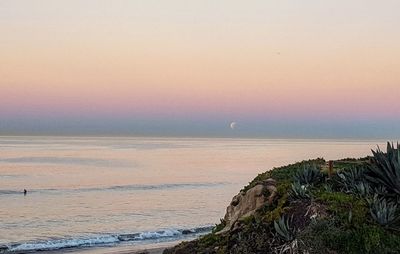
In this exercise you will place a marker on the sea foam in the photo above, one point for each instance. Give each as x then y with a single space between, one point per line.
105 240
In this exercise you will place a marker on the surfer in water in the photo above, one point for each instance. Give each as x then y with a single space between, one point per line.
25 192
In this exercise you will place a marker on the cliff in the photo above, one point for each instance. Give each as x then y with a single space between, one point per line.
309 207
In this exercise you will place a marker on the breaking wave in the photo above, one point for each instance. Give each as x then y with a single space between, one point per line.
102 240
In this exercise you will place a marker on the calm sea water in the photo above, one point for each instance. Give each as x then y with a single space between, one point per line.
85 192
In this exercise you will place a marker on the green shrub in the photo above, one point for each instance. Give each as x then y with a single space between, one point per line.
220 226
327 236
340 204
276 211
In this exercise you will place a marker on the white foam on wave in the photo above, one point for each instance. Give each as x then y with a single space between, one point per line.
65 243
104 239
158 234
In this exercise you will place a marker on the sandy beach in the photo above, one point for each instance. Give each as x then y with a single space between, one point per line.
142 251
145 251
156 248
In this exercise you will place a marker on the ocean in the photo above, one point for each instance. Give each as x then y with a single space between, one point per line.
118 192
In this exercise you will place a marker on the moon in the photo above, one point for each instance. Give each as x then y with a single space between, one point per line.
233 125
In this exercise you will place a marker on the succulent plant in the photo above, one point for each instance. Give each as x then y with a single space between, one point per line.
385 169
380 190
382 211
299 191
309 175
350 177
328 188
362 189
284 228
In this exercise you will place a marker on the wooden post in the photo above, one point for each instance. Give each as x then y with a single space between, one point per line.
330 169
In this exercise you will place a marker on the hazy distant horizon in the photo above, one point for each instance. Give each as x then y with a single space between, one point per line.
213 129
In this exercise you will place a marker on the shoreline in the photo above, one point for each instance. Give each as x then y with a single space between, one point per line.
149 249
121 247
158 250
155 248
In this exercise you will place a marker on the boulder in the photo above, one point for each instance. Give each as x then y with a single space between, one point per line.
247 203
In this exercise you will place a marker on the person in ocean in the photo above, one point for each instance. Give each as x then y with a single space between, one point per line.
25 191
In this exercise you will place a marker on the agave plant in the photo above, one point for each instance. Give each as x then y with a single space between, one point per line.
385 169
309 175
351 177
382 211
380 190
284 228
362 189
299 191
328 188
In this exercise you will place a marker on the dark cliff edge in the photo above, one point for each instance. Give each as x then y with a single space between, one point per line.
350 206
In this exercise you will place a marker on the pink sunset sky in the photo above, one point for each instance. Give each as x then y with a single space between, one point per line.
205 62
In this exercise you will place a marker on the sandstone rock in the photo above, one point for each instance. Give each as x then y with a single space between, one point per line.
270 185
247 203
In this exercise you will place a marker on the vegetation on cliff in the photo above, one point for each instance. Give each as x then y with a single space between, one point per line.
353 209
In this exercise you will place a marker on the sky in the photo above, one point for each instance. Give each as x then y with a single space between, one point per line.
284 68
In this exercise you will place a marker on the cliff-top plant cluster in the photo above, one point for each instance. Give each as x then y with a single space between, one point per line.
353 209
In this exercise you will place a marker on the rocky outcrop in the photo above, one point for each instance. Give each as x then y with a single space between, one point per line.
247 203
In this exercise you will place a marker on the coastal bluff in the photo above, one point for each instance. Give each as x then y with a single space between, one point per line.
348 206
246 203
